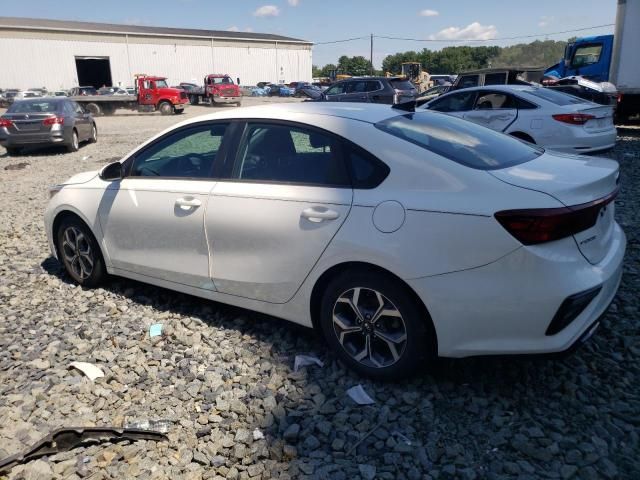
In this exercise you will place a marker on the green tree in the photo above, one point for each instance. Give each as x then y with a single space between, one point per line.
357 65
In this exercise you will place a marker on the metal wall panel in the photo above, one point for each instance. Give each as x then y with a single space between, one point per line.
50 63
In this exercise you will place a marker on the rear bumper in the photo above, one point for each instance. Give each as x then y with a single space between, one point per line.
585 142
507 306
32 139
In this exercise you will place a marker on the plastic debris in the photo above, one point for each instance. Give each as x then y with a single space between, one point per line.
358 395
257 434
155 330
161 426
89 369
305 360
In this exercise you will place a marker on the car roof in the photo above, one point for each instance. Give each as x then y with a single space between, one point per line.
502 88
362 112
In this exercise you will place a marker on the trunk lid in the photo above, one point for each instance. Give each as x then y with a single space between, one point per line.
603 120
574 181
28 122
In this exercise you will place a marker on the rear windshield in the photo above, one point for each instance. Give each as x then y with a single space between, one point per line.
459 140
401 84
552 96
33 106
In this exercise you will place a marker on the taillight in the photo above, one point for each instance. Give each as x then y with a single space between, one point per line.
620 96
573 118
53 121
539 225
5 123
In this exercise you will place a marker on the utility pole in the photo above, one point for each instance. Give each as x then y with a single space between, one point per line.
371 56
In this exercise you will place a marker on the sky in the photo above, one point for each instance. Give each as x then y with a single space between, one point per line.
442 21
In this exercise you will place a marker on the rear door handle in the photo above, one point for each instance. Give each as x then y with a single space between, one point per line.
186 203
319 214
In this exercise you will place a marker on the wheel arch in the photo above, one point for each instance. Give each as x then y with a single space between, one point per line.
335 270
65 213
523 136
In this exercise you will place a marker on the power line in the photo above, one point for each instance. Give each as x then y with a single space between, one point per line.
467 40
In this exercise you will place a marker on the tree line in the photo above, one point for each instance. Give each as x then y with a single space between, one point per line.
453 60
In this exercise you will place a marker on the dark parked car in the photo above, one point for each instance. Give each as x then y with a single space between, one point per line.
498 76
390 90
309 91
42 122
82 91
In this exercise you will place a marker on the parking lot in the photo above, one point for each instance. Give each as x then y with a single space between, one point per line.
223 378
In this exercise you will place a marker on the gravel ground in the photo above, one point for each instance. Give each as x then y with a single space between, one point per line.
223 380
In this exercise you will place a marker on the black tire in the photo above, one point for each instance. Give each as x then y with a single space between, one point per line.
165 108
238 104
194 99
408 356
94 134
74 143
523 136
94 109
74 251
108 110
13 151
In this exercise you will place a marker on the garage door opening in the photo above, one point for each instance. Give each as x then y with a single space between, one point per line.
93 71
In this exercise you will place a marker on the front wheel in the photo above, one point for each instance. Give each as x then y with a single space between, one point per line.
74 143
165 108
94 134
80 253
13 151
375 326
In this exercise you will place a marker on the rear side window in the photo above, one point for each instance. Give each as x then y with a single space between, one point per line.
455 102
495 78
460 141
366 170
401 84
552 96
288 154
467 81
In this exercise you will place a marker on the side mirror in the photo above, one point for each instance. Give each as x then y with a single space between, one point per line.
110 172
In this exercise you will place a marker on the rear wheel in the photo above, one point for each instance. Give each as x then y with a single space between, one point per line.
80 253
165 108
108 109
375 326
74 143
194 99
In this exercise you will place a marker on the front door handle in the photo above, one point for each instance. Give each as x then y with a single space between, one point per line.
186 203
319 214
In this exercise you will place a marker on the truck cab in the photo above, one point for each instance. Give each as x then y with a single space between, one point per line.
221 89
589 57
156 93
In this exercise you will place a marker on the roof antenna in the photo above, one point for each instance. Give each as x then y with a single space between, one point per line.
409 106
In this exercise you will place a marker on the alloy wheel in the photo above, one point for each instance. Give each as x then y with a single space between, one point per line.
77 252
74 141
369 327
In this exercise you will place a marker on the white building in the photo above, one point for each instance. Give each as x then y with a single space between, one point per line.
62 54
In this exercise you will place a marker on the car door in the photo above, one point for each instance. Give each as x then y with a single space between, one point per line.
455 104
82 121
495 110
356 91
287 195
153 219
336 92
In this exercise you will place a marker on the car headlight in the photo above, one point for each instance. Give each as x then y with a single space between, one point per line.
53 189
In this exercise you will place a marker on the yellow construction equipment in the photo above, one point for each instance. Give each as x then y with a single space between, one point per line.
413 72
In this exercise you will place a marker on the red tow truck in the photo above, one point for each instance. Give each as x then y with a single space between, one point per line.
218 89
152 94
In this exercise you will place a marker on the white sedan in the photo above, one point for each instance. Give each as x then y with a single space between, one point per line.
399 235
551 119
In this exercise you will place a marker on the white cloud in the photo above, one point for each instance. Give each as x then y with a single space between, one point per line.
233 28
248 29
428 13
267 11
545 21
473 31
294 3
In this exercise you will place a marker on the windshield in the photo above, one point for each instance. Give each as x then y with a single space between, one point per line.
552 96
33 106
161 84
459 140
401 85
218 80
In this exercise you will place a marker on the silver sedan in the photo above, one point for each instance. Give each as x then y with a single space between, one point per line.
42 122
